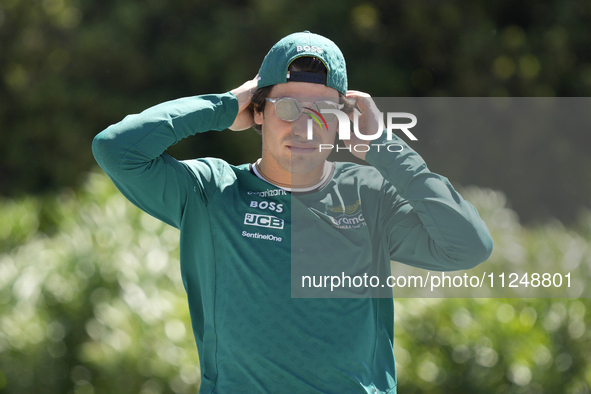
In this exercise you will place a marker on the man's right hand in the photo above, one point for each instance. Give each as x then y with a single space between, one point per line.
244 93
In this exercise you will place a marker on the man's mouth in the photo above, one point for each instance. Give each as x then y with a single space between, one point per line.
302 149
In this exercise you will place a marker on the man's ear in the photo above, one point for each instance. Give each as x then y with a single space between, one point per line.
258 116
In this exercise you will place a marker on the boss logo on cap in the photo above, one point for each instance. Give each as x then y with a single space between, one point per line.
308 48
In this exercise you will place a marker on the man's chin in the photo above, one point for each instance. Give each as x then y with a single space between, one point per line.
305 164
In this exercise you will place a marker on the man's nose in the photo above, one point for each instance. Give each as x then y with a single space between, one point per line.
300 126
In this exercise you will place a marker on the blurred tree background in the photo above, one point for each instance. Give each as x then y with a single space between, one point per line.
70 68
90 294
99 307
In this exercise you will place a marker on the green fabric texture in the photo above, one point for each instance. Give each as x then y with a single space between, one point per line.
244 242
275 64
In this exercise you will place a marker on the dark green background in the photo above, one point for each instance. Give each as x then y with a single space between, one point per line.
70 68
91 299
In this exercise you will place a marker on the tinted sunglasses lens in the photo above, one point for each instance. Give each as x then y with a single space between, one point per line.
319 106
288 109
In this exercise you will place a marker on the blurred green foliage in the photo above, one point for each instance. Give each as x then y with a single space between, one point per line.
69 68
91 298
99 306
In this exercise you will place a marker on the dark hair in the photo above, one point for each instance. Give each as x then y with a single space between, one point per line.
306 64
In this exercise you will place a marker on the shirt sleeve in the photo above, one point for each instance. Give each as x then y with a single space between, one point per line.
429 225
131 152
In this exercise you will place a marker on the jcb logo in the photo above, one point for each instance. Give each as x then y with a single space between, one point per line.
252 219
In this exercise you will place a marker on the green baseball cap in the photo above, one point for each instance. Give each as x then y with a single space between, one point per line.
274 68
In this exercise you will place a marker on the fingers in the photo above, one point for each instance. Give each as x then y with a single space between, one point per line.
363 100
251 85
356 93
244 92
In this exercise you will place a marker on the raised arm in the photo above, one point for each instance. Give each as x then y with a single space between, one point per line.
428 223
131 152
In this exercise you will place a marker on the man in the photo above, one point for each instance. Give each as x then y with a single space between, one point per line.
246 229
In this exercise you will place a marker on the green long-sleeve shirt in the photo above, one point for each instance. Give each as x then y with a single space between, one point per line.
245 244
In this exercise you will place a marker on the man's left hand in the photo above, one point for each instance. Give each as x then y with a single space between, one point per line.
369 120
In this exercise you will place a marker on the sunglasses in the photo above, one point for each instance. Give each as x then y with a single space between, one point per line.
290 109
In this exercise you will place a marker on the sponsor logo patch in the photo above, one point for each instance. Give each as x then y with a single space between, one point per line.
351 216
349 209
273 206
268 221
309 48
267 237
346 222
268 193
